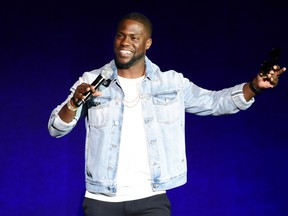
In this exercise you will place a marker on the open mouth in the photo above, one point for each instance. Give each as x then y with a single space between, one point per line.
125 53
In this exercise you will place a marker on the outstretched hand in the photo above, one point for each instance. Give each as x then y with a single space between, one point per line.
270 79
263 81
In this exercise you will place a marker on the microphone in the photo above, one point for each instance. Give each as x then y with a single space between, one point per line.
267 65
102 77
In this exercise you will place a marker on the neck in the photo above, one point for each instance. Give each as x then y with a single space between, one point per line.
132 72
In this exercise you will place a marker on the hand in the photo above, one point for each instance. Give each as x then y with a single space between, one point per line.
80 91
269 80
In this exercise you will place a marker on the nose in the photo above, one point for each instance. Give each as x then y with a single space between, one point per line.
125 41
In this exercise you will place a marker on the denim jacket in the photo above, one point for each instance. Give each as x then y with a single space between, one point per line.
165 97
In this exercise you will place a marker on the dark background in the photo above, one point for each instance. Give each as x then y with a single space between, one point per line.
237 164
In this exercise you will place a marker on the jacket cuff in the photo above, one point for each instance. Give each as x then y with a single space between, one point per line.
238 98
63 126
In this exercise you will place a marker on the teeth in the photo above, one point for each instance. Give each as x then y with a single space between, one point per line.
125 51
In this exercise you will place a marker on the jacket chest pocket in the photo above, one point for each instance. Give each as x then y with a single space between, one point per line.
167 106
98 113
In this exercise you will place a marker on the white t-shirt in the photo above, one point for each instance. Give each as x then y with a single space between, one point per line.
133 174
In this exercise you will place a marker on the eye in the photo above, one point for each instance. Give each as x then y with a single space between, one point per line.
135 38
119 36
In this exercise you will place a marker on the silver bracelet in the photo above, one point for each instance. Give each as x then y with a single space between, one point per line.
70 107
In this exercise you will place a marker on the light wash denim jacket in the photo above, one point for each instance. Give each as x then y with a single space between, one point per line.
165 97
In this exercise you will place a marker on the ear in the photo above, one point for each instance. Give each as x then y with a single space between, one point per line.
148 43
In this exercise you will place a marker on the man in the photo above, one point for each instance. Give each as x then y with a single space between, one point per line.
135 142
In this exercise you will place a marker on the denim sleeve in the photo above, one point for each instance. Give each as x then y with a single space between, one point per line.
57 127
238 97
201 101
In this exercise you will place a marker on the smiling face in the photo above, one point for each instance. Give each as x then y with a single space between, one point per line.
130 44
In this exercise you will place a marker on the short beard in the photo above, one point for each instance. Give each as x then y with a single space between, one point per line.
130 63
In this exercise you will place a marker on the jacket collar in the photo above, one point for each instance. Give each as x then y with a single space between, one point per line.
150 69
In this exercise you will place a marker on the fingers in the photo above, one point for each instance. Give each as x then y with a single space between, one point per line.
277 70
272 77
276 67
274 80
82 90
280 71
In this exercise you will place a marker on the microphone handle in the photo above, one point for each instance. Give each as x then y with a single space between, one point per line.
268 64
87 95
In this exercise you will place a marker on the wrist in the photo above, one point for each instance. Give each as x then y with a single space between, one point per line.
70 106
254 89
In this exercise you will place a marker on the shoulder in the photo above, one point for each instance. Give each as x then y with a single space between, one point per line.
154 71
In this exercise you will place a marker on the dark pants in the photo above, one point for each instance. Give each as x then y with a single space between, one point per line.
158 205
